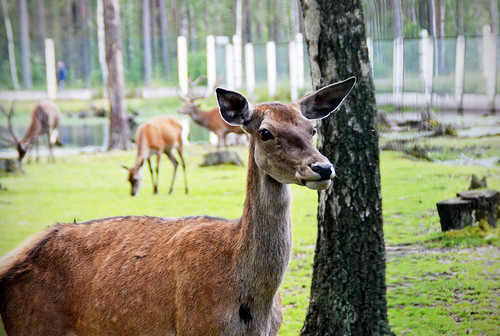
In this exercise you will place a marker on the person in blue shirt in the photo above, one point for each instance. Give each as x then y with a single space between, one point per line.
61 74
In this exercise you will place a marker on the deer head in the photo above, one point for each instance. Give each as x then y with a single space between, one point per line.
282 135
21 149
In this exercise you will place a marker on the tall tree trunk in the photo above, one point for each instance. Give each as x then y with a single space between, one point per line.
119 132
101 45
163 37
10 42
247 17
348 292
146 38
25 44
41 26
398 18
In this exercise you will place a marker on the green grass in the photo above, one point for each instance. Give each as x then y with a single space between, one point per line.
432 290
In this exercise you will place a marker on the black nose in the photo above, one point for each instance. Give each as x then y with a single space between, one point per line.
325 170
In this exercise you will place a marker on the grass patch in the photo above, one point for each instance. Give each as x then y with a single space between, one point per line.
431 290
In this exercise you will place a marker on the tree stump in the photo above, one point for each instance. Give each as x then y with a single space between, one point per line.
485 203
454 213
9 165
220 158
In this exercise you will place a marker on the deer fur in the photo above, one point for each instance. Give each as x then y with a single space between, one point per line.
159 135
141 275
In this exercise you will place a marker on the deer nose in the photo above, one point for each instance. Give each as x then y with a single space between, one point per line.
325 170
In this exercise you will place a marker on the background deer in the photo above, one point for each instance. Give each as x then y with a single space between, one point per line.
45 118
211 120
140 275
159 135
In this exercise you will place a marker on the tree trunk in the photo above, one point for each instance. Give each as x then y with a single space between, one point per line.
247 16
41 25
101 45
10 41
146 37
163 37
119 133
25 44
398 18
348 285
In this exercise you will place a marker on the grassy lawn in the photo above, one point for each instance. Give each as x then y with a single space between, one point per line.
438 284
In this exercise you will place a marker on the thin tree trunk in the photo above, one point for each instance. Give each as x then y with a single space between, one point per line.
41 26
398 19
247 17
101 45
119 132
146 37
163 37
348 291
25 44
10 42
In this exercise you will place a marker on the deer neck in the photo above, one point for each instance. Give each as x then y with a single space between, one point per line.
199 117
265 240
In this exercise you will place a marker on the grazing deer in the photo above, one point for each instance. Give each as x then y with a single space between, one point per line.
211 120
44 119
140 275
159 135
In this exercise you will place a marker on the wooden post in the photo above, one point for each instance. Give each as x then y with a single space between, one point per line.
238 67
50 68
299 52
397 73
490 41
292 62
249 68
211 64
460 72
229 67
271 68
182 63
427 61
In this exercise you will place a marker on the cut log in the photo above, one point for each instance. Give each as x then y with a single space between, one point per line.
485 203
455 213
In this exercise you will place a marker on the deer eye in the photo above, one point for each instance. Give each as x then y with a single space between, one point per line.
265 134
314 131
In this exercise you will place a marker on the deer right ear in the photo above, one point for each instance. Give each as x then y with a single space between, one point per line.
234 107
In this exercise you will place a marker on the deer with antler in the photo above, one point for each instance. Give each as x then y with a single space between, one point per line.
211 119
159 135
141 275
45 118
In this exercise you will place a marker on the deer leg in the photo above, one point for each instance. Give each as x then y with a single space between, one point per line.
184 169
155 187
51 155
175 163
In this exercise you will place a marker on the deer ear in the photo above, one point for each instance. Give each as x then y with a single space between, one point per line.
321 103
234 107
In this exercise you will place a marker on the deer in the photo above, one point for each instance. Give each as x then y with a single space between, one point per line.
142 275
45 118
210 120
159 135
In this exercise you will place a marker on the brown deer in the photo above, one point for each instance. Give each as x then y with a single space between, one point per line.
211 120
159 135
45 118
140 275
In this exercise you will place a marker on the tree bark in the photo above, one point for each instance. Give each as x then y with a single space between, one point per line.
25 44
146 37
10 39
119 132
163 37
348 291
41 25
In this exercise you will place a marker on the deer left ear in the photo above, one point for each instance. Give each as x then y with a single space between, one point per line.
234 107
321 103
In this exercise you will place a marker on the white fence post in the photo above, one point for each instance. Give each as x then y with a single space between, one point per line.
398 68
427 59
211 65
299 51
229 67
292 62
460 71
238 67
50 66
490 64
249 68
182 60
271 68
